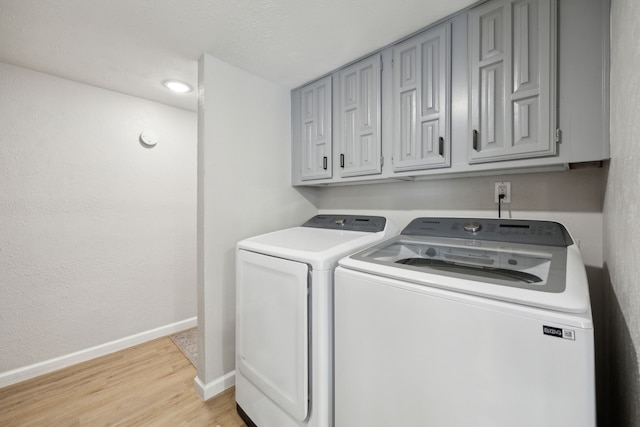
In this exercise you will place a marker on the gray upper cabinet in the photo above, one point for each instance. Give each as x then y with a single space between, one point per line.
484 91
314 128
512 49
421 101
358 142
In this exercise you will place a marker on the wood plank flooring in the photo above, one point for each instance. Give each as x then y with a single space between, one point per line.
147 385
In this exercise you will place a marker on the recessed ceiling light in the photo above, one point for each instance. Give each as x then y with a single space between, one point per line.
177 86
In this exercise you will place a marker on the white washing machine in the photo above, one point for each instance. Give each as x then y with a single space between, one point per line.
465 322
284 318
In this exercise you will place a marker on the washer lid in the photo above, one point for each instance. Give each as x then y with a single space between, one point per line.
551 277
321 248
541 269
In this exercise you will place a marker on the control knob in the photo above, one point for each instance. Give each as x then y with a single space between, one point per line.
472 227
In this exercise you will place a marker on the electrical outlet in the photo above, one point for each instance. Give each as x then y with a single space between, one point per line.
503 188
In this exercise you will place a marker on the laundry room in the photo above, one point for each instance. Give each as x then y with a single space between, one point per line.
109 239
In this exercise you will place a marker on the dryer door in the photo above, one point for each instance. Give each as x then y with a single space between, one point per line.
272 328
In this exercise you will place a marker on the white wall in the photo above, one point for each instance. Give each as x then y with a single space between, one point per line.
97 233
622 216
244 168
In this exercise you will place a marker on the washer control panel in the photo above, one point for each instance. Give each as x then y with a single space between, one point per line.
372 224
531 232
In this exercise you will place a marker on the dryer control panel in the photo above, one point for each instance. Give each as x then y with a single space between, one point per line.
372 224
546 233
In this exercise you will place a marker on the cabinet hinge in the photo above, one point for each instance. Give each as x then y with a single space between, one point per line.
381 63
558 136
381 161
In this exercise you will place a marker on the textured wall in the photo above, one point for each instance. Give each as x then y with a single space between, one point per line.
244 172
97 233
622 215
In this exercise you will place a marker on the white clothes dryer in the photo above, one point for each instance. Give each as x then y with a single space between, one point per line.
465 322
284 318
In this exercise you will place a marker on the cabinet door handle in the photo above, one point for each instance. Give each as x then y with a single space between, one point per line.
324 163
475 140
441 147
342 160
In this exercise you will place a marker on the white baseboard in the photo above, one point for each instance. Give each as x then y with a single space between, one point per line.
209 390
41 368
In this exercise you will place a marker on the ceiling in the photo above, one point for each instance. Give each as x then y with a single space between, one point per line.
132 46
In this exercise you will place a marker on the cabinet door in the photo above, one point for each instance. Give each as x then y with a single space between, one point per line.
512 68
315 130
359 118
421 101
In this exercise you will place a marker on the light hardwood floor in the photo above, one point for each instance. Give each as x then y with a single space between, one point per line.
147 385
